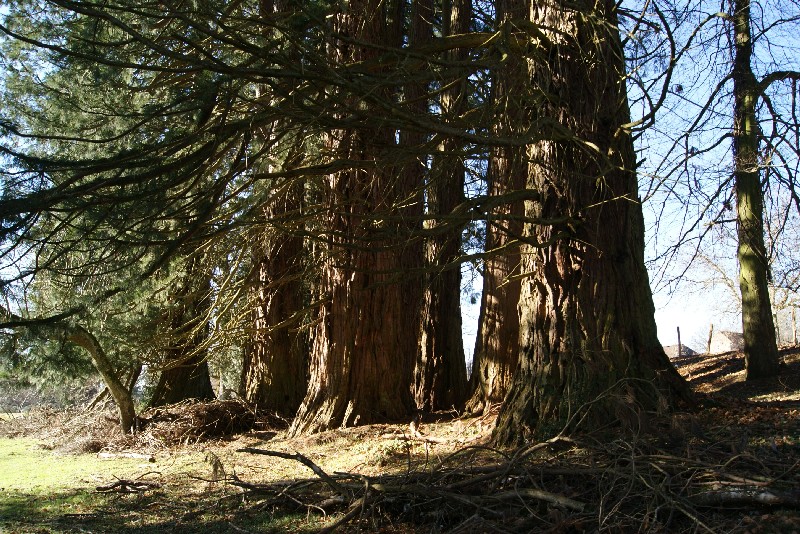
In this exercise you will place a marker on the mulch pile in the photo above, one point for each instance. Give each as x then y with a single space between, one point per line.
190 422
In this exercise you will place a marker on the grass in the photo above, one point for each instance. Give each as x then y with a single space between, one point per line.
27 467
42 491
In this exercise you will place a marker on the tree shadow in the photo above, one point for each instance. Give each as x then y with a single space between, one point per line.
206 512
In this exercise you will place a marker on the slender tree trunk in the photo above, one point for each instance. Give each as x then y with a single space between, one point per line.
760 343
129 382
185 374
589 354
122 395
364 343
441 374
63 331
497 343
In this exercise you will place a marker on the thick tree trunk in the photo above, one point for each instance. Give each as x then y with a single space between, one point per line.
365 342
274 370
589 354
187 380
185 372
441 374
760 343
497 343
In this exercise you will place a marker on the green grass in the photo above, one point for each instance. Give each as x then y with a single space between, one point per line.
27 467
42 491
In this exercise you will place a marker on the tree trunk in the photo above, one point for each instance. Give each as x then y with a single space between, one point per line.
187 380
441 373
130 383
274 373
497 343
61 330
364 342
274 370
185 372
122 395
589 354
758 328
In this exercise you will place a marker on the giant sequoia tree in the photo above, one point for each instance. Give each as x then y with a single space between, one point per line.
497 343
441 374
588 347
363 346
377 111
275 361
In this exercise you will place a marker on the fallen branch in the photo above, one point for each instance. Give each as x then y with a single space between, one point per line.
135 455
128 486
747 497
335 486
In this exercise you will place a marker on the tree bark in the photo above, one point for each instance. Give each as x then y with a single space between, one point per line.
589 354
186 379
497 343
364 343
274 373
441 373
185 372
758 328
274 370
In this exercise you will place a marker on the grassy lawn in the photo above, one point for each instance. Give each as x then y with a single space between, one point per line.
46 492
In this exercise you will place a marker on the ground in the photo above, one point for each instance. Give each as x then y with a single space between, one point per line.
730 465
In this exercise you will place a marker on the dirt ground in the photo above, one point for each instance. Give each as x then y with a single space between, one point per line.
732 465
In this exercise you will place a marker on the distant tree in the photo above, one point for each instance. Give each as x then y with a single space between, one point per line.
760 341
184 336
746 89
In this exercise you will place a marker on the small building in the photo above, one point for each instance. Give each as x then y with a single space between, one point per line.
725 341
672 351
